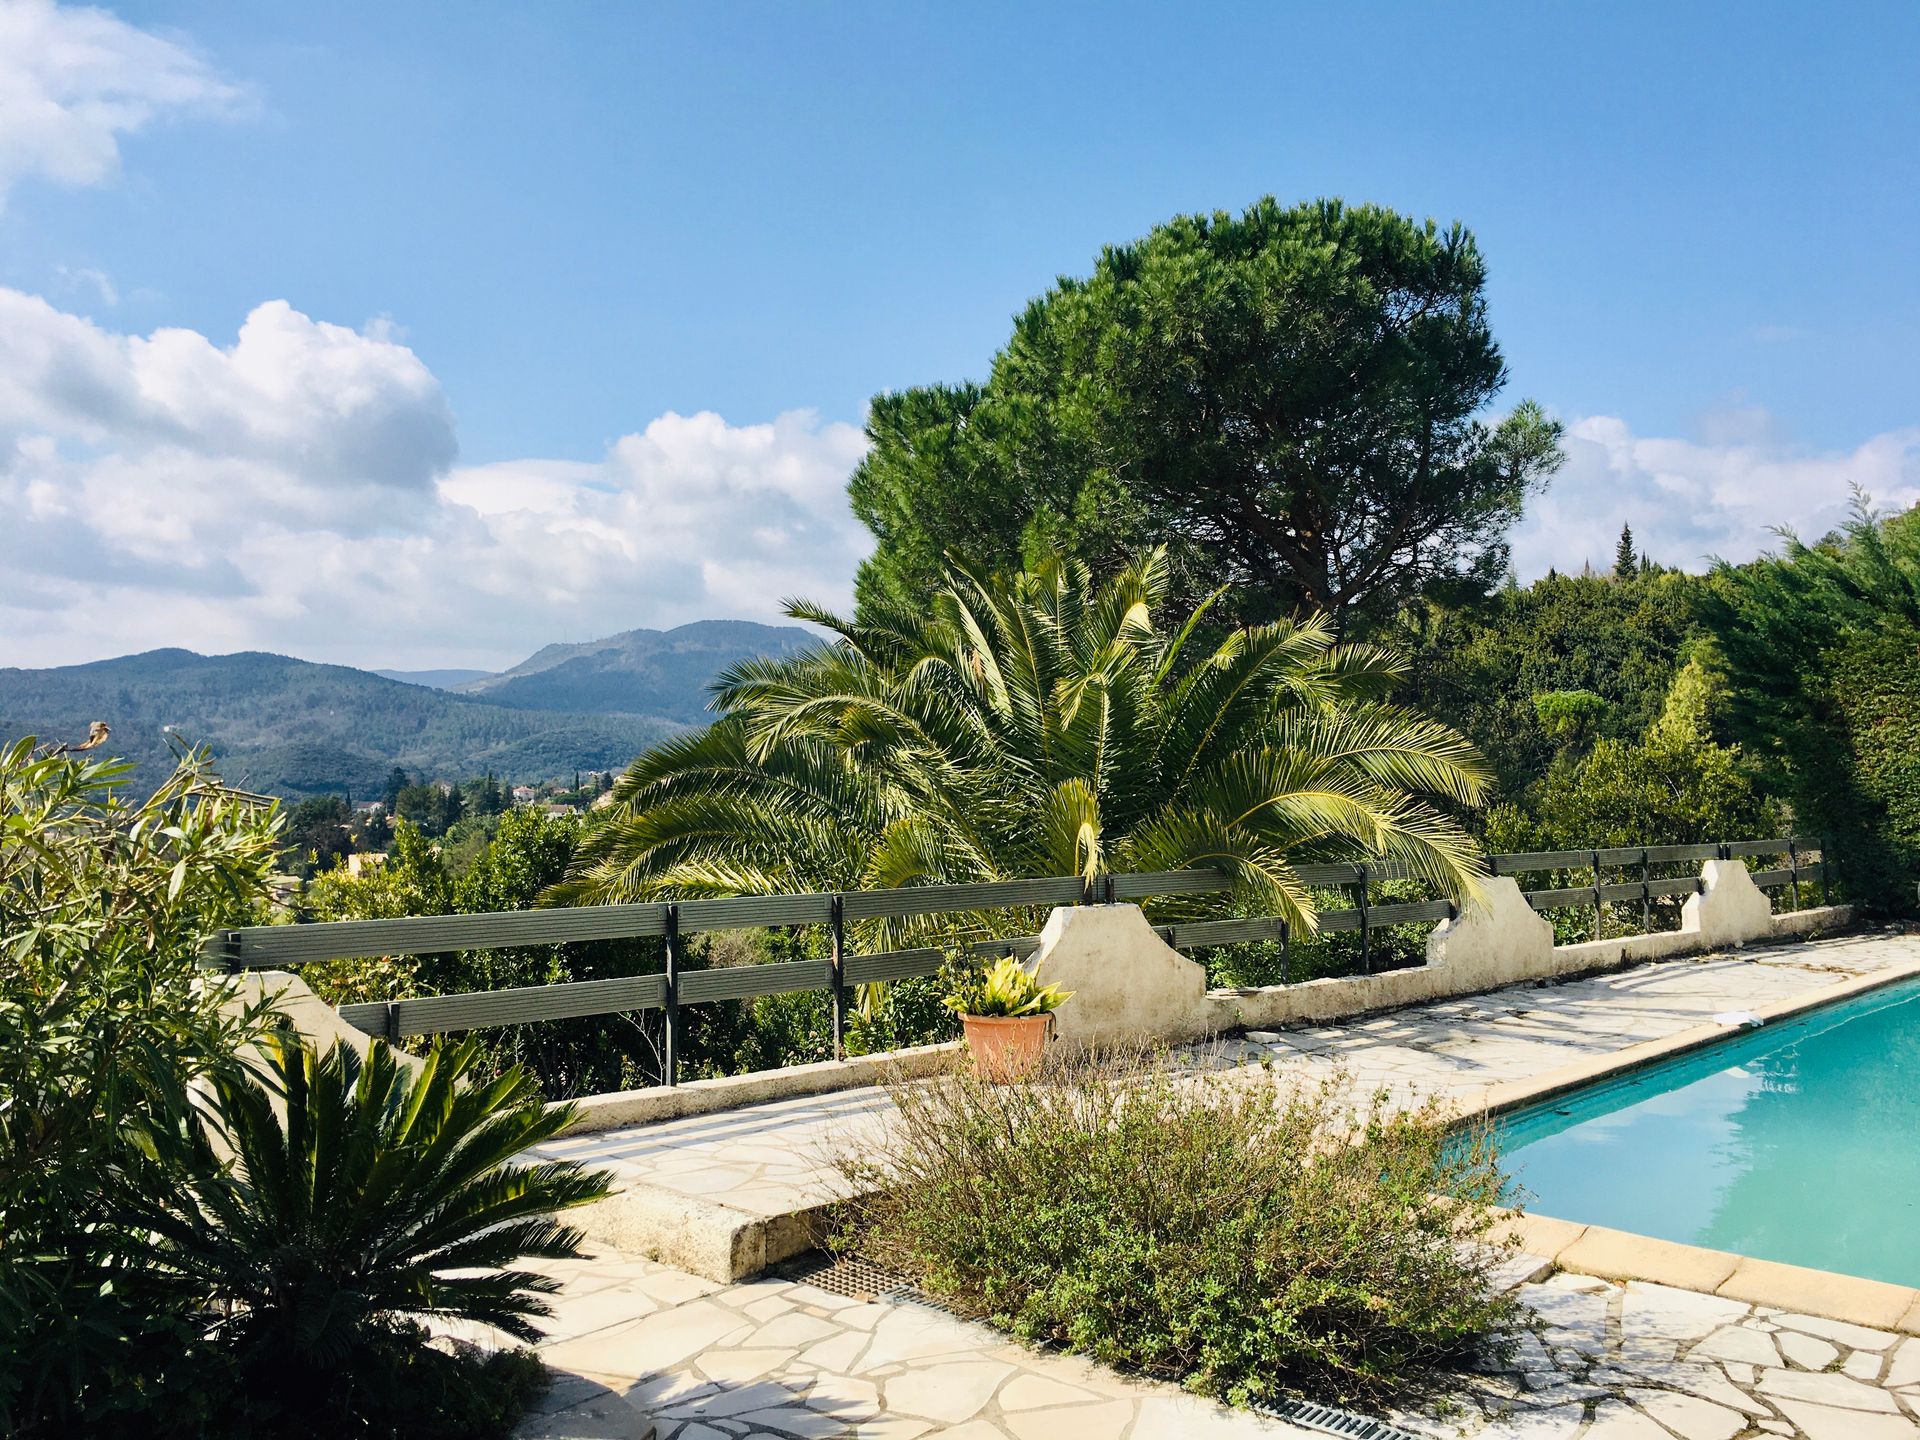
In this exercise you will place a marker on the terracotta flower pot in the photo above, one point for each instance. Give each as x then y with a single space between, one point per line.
1006 1047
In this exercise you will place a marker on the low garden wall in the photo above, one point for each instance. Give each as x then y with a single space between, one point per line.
1129 983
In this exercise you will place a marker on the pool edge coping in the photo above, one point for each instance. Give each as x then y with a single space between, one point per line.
1622 1255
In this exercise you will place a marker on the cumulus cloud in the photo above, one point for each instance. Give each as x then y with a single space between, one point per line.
298 490
73 81
298 487
1719 494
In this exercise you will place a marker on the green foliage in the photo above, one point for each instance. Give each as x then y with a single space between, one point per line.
1039 724
357 1194
1626 564
151 1287
1569 716
1822 650
1003 989
433 808
103 902
1481 667
1659 791
317 834
403 1385
528 853
1246 1241
1288 399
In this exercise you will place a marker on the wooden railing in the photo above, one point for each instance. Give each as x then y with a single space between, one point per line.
285 946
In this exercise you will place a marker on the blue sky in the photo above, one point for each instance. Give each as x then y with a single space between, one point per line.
552 229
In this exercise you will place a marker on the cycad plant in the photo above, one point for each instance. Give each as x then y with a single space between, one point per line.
1041 724
342 1195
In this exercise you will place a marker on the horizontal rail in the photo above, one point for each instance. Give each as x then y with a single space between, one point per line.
938 899
743 982
1203 933
1411 913
1610 858
1147 884
893 965
1805 873
489 1009
262 946
1020 946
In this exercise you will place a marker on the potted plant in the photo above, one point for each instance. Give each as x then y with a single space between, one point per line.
1006 1013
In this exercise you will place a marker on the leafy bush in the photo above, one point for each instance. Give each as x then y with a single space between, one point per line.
103 1029
148 1287
1245 1239
1822 648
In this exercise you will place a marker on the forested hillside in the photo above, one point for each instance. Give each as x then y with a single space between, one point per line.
289 727
638 672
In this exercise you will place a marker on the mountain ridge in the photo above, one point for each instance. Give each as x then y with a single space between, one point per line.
638 672
293 727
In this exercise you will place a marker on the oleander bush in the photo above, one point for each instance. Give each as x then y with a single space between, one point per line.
1244 1239
206 1229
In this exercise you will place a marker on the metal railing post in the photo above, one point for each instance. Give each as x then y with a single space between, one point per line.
1366 951
838 920
1599 915
672 1068
1826 870
1646 896
1286 953
1793 872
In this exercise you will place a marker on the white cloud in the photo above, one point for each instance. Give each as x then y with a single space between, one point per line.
297 490
73 81
1691 499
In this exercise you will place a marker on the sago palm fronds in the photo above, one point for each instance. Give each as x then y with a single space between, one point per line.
1040 724
359 1192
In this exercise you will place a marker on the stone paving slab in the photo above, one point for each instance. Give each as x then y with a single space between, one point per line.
786 1360
727 1193
641 1346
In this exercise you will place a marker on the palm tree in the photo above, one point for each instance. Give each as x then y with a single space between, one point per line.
360 1193
1040 724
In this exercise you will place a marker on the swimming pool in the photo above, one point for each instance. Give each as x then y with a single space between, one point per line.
1798 1141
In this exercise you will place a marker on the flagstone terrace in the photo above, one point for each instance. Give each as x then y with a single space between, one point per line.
1618 1358
686 1319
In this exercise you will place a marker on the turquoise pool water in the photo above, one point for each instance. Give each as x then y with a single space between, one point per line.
1798 1141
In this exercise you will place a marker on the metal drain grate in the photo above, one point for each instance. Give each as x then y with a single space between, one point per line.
1330 1421
852 1276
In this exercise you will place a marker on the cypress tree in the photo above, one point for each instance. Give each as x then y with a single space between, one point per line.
1625 564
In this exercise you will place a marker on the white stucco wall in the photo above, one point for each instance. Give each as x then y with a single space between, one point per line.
1127 982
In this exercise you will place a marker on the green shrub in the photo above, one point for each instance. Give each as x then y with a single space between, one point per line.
104 899
358 1195
162 1279
1244 1239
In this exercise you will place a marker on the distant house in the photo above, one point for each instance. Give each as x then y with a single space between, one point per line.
365 862
369 807
523 794
554 807
602 800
